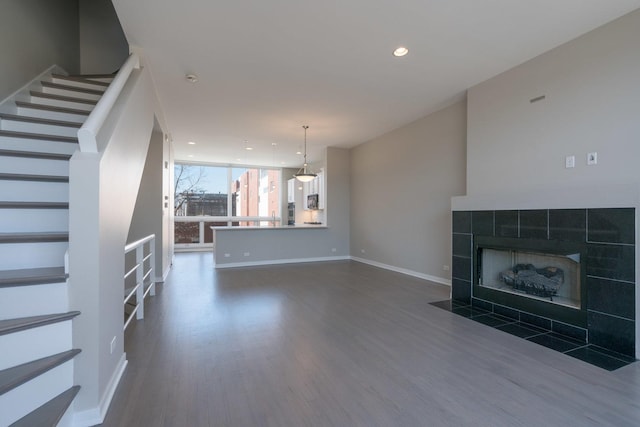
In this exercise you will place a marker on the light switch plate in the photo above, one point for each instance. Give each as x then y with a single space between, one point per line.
592 158
570 162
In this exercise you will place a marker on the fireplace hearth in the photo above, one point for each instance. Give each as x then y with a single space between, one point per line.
567 270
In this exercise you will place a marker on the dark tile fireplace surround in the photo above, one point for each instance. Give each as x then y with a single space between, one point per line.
607 236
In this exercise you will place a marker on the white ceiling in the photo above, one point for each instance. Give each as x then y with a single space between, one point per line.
266 68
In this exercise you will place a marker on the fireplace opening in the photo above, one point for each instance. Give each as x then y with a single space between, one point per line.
546 277
542 277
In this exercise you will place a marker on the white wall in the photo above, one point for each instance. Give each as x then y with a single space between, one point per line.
35 35
103 45
102 193
401 189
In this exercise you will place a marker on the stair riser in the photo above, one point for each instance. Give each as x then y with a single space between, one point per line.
83 84
52 115
15 256
64 104
27 191
33 300
21 165
71 93
20 401
28 127
36 343
33 220
37 145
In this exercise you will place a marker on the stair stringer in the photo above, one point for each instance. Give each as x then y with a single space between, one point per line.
7 105
102 194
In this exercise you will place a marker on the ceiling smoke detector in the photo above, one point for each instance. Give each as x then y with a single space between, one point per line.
191 78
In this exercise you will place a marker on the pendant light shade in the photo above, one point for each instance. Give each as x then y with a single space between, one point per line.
305 176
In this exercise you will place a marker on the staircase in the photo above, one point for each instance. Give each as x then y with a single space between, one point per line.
38 135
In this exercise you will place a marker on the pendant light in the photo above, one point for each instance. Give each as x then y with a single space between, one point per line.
305 176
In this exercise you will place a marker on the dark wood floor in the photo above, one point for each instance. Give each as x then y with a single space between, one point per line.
344 344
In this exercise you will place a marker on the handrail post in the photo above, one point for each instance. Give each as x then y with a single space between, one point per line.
152 263
140 282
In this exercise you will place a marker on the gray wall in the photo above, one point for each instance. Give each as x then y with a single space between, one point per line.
103 45
592 89
150 216
35 34
401 189
517 149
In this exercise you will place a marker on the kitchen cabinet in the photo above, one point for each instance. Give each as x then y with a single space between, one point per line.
291 190
316 186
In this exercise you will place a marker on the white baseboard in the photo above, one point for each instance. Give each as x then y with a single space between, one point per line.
162 279
440 280
281 261
95 416
166 272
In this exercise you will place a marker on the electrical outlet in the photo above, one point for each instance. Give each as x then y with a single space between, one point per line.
113 344
363 251
445 267
333 249
247 254
227 255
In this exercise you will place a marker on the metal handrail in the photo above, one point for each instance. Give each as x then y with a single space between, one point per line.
141 275
131 246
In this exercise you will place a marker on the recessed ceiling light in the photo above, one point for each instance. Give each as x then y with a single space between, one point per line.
274 144
191 78
299 152
248 148
401 51
190 155
191 143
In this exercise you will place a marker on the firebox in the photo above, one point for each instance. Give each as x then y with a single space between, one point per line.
543 277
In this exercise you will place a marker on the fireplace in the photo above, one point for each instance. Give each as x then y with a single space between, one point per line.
542 277
593 247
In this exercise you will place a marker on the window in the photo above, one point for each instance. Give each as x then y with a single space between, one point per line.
229 196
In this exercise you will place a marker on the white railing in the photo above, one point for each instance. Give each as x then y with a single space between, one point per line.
144 267
89 130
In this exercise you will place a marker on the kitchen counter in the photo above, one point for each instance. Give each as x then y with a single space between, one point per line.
271 227
254 245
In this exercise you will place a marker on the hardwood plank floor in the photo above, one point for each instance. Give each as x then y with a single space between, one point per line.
344 344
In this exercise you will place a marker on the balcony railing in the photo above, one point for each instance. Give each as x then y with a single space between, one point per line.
194 232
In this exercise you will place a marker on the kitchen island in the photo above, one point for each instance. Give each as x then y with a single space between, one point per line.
279 244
